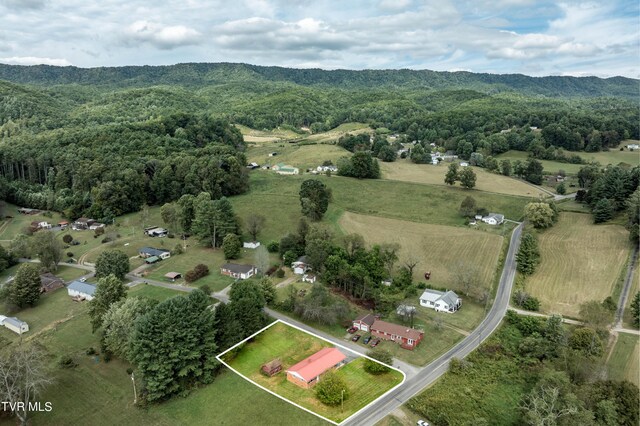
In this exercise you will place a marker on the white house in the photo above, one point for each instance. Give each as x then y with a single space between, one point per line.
251 244
493 219
440 301
238 271
96 225
321 169
81 290
44 225
300 266
14 324
633 147
309 278
284 169
147 252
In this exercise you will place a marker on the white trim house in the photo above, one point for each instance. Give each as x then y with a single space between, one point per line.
440 301
81 290
493 219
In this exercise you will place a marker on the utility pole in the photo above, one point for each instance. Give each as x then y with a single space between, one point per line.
342 400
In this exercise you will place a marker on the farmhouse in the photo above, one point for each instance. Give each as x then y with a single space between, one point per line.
81 291
63 224
82 223
147 252
285 169
300 266
307 372
235 270
49 282
14 324
493 219
407 337
440 301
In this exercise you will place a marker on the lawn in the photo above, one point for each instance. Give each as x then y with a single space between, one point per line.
16 225
291 345
52 309
69 273
624 363
152 292
405 170
439 249
579 262
303 156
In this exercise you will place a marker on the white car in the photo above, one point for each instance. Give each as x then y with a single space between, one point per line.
422 423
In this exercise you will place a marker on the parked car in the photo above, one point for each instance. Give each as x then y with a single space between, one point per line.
366 340
422 423
356 338
352 330
375 342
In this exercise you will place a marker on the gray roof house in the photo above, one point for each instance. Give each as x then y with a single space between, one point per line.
145 252
81 290
493 219
441 301
236 270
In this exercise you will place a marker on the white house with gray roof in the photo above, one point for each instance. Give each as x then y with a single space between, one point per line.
14 324
441 301
81 290
493 219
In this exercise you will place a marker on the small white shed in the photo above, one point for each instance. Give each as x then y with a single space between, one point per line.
15 325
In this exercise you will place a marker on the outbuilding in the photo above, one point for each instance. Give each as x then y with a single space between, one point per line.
493 219
300 266
173 276
15 325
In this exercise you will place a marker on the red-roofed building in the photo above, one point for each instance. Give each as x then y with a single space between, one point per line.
307 372
407 337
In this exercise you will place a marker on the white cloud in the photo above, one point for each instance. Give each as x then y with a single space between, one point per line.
394 4
31 60
163 37
24 4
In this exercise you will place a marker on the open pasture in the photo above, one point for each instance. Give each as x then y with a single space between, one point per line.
579 262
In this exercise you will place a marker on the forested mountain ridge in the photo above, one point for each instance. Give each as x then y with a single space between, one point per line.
201 74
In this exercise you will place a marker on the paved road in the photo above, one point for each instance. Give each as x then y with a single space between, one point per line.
433 371
624 294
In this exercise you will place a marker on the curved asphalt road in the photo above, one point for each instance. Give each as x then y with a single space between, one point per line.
433 371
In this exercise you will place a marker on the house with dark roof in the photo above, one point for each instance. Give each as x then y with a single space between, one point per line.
146 252
441 301
81 291
406 337
238 271
493 219
82 223
49 282
307 373
364 322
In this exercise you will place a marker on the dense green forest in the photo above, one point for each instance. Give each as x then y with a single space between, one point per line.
104 141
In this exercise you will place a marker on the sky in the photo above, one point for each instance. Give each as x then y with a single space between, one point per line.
537 38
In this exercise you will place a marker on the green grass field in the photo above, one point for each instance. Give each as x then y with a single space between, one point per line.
614 157
439 249
635 287
405 170
624 363
579 262
291 345
10 227
153 292
301 156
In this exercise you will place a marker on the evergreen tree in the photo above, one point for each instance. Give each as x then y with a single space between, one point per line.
186 212
247 303
603 211
528 255
25 288
228 328
452 174
118 323
635 310
112 262
533 171
174 346
467 178
231 246
468 207
110 290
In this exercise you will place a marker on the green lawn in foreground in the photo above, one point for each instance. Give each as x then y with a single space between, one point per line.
624 363
153 292
291 346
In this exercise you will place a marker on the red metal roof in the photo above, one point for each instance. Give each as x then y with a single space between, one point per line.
396 329
318 363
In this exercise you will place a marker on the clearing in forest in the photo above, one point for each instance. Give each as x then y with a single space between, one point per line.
442 250
579 262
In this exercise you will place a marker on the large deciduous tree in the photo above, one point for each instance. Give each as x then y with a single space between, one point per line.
231 246
118 323
332 390
174 346
110 290
451 176
540 215
112 262
47 248
23 377
467 178
314 198
254 225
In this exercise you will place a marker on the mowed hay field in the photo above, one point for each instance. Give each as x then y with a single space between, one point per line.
624 363
579 262
301 156
406 171
439 249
